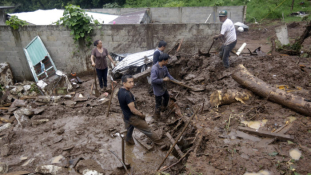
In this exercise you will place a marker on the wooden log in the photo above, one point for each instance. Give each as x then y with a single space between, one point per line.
266 134
180 153
228 96
296 103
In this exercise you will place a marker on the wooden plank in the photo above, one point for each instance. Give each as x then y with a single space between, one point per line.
267 134
282 130
247 136
4 120
180 153
4 108
18 173
27 97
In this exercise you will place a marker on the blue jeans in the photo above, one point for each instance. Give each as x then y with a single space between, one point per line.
102 75
224 53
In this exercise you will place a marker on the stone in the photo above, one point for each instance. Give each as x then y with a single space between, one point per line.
38 110
190 76
56 98
18 103
43 99
17 90
6 76
70 103
26 111
27 88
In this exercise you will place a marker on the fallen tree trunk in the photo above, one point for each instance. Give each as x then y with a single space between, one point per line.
296 103
228 96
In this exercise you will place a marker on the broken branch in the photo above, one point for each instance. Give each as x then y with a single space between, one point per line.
296 103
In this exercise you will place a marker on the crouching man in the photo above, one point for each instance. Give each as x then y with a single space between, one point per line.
159 77
133 118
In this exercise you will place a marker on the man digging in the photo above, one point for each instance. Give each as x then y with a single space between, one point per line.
159 77
133 118
229 35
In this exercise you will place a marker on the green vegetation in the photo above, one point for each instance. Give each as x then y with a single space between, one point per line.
15 23
80 24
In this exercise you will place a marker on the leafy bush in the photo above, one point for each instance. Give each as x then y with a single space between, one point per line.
219 3
174 4
15 23
112 5
80 24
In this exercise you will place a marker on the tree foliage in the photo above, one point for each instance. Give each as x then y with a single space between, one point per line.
80 24
15 23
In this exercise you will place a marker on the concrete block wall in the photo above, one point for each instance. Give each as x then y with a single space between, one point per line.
182 14
116 38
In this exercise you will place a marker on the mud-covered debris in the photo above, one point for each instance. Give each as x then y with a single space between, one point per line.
48 169
295 154
21 119
16 90
39 122
18 173
5 150
57 159
262 172
91 172
18 103
43 99
26 111
38 110
267 134
5 127
57 139
29 161
56 99
69 103
255 124
3 168
88 165
228 96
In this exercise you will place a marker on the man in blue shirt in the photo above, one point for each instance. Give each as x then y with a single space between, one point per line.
158 51
159 77
133 118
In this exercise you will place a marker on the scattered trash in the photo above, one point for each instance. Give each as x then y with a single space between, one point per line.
255 124
80 96
299 14
106 94
102 99
91 172
41 84
242 25
48 169
5 127
295 154
241 49
43 99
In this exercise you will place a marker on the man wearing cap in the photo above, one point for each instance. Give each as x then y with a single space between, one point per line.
229 35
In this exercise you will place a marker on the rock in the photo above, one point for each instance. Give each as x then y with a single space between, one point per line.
48 169
91 172
43 99
56 98
57 159
69 103
26 111
6 76
17 90
22 120
189 77
27 88
39 122
3 168
38 110
85 166
18 103
5 127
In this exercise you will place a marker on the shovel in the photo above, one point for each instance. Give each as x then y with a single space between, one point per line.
97 94
188 87
206 54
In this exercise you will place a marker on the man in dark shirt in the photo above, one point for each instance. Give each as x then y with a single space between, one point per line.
132 117
158 51
159 77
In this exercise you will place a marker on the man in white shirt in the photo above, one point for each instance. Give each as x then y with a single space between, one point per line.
229 35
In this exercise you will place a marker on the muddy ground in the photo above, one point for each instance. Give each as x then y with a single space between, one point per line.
84 131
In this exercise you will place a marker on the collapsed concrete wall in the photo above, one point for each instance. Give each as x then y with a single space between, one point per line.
116 38
182 14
